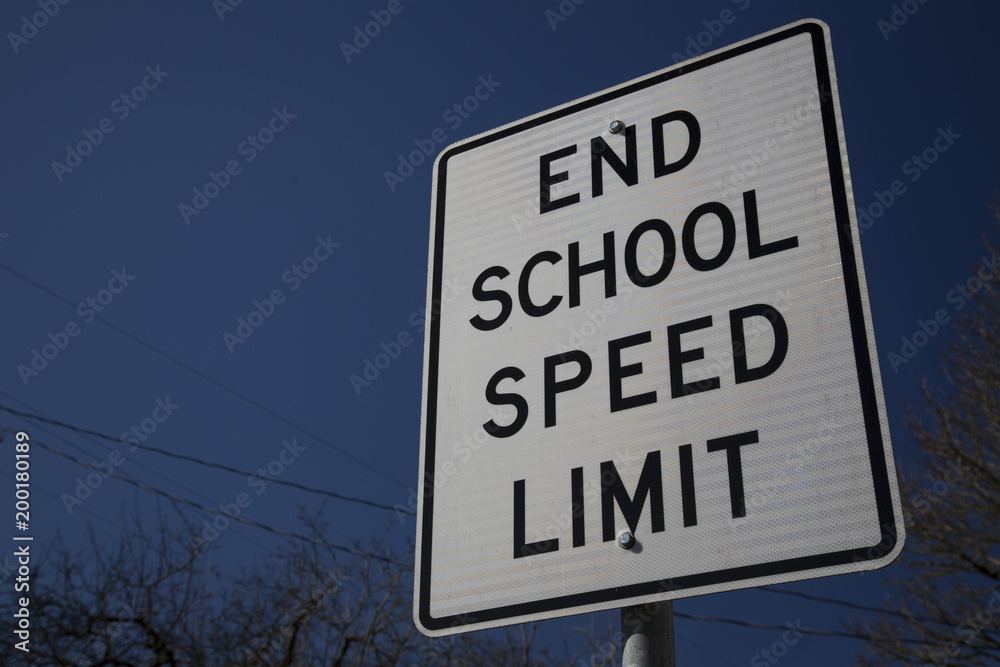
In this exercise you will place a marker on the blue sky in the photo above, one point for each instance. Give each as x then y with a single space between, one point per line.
256 117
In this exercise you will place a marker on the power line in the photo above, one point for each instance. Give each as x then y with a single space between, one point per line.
238 533
208 378
210 510
35 489
81 449
209 464
851 605
700 619
97 516
391 561
821 633
118 525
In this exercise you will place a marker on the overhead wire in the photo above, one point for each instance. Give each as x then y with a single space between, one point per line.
97 516
210 510
36 489
69 443
109 522
372 468
851 605
46 420
238 533
140 485
203 462
208 378
811 631
392 561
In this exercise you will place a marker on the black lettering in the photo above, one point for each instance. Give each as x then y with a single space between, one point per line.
550 256
547 179
678 358
628 171
521 549
687 487
576 486
495 398
616 372
552 387
660 167
753 231
637 277
728 236
736 319
606 264
612 491
479 294
732 444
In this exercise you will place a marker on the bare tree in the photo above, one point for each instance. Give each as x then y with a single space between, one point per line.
153 598
946 609
128 603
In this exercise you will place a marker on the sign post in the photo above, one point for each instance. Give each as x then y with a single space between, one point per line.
648 635
656 377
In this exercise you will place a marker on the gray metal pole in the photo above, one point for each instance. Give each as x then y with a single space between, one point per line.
648 635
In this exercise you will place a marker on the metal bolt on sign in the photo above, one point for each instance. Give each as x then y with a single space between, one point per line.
626 540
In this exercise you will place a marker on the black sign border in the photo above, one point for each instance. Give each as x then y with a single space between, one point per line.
856 312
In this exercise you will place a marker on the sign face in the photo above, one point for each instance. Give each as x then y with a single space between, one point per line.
648 314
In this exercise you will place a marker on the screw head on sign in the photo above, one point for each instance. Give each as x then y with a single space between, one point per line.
616 126
626 540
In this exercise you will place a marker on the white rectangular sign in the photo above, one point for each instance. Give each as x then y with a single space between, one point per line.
649 316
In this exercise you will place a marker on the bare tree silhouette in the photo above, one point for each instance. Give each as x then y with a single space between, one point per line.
154 598
946 610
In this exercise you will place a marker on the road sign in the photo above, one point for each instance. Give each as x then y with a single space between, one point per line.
649 328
